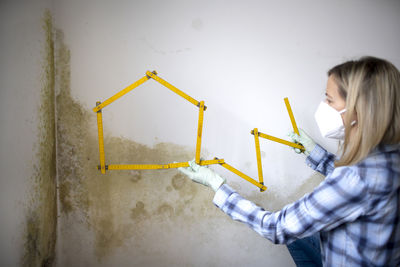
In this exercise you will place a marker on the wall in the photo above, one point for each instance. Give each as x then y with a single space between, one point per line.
241 58
27 118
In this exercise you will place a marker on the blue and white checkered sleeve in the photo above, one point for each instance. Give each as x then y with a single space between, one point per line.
238 208
338 199
321 160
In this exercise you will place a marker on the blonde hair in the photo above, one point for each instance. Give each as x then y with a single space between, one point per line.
371 88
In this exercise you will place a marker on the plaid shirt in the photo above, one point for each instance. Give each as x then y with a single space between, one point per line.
356 210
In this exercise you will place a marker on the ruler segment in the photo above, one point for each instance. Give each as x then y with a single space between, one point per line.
199 132
289 109
211 162
173 88
178 165
244 176
137 166
258 155
282 141
159 166
120 93
101 140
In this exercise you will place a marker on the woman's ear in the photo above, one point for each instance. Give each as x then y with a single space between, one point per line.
354 118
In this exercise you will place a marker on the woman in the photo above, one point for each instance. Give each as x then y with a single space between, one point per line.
352 217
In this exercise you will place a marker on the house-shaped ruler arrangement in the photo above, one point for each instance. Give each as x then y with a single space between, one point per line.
103 167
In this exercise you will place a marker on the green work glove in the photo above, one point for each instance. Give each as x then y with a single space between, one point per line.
304 140
203 175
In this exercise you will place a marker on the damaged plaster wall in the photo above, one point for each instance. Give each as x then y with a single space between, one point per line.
242 59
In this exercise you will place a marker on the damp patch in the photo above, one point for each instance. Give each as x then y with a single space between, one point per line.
118 207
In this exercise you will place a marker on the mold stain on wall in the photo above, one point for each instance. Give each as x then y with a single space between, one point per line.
119 208
101 214
41 220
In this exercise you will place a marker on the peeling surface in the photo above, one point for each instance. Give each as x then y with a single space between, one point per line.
41 220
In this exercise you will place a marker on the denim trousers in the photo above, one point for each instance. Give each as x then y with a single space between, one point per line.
306 251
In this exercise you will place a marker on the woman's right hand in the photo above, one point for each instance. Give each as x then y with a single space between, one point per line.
203 175
304 139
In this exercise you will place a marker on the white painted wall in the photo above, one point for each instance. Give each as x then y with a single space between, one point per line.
21 79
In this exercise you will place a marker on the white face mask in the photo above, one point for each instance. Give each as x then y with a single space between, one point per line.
330 121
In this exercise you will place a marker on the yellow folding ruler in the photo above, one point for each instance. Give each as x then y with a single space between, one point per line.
258 134
276 139
200 104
